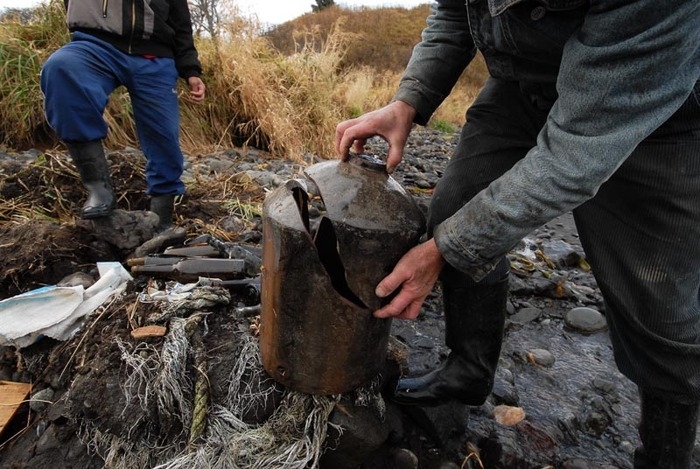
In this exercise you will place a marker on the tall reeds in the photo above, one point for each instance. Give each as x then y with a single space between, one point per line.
288 103
23 48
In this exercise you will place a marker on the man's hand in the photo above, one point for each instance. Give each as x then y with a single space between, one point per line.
415 274
393 123
197 88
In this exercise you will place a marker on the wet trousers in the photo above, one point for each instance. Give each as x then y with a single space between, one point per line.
640 233
77 81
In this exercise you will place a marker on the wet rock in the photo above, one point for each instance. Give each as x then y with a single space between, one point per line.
233 224
508 415
41 399
604 385
162 240
404 459
441 423
541 357
627 447
560 253
47 440
597 422
586 320
124 229
525 315
58 410
504 391
265 178
577 464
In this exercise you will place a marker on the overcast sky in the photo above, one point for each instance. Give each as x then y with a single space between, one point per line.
267 11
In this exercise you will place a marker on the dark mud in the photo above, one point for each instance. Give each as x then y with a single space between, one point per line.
579 412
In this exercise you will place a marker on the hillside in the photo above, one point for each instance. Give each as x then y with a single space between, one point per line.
382 38
379 38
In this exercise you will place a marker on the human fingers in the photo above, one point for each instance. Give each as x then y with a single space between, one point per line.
405 305
353 135
395 154
197 88
197 93
359 146
415 274
339 133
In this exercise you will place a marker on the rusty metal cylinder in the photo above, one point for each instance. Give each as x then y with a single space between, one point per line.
318 334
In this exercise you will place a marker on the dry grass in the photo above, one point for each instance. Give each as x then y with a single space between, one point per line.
49 188
285 96
263 98
384 38
23 48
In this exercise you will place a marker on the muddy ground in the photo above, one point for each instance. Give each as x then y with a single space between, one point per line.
579 412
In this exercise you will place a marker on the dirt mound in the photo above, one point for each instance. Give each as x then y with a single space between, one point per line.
106 384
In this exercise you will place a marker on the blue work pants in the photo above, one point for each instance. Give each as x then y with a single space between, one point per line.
77 81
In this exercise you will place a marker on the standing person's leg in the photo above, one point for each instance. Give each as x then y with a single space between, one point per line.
502 125
76 81
153 90
641 234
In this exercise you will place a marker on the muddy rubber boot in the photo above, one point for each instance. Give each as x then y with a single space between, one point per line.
163 206
89 158
667 430
474 324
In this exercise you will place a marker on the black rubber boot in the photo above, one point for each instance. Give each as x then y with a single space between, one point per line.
163 206
474 322
89 158
667 430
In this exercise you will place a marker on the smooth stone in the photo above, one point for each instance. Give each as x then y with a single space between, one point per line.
585 320
541 357
526 315
41 399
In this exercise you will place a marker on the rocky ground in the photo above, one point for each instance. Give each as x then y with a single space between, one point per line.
558 400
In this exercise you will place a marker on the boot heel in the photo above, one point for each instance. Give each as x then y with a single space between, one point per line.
163 206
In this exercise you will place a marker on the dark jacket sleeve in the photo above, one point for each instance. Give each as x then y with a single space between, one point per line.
438 60
186 57
619 81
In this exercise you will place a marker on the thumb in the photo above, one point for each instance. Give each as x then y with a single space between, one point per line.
387 286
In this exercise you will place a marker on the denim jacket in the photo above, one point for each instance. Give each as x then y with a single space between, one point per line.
612 71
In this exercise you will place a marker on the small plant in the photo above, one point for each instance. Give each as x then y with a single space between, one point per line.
355 111
245 210
442 126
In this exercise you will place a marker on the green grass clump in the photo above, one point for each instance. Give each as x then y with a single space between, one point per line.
442 126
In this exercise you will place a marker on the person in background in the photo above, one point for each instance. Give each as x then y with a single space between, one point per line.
591 106
145 47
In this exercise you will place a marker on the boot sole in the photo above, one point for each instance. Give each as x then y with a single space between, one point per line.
95 212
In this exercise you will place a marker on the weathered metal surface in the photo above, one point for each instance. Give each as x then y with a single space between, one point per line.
318 334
